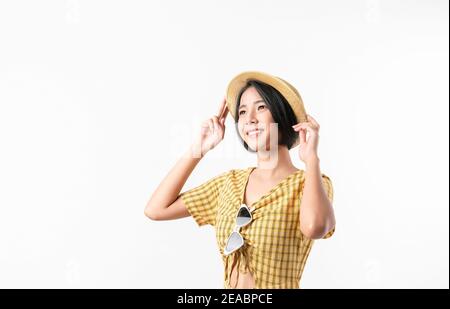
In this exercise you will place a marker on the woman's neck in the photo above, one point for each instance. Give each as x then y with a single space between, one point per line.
275 163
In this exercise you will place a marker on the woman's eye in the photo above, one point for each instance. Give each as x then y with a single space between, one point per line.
241 113
259 107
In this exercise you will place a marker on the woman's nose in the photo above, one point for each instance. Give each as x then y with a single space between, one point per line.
251 117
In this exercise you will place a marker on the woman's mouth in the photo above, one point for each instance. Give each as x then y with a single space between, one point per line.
254 132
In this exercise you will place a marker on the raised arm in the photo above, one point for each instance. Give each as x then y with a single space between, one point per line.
164 203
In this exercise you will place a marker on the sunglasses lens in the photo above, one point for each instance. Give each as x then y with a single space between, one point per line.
243 217
235 241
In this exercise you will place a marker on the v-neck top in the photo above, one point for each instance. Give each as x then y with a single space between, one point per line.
275 250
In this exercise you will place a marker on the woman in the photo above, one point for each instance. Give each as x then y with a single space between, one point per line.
266 217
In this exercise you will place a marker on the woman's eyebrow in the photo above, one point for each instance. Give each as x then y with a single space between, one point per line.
257 101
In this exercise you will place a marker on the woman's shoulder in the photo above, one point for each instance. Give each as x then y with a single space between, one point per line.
301 174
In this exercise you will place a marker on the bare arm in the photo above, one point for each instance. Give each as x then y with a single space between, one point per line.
316 213
165 203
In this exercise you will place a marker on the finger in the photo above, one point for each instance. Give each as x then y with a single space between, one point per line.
306 125
211 125
216 123
298 124
225 113
222 106
313 121
302 137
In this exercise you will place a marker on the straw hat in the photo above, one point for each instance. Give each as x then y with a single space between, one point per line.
288 91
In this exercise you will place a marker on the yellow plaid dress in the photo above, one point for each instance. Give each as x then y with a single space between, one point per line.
275 251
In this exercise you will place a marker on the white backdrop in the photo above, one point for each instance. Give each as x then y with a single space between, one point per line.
99 98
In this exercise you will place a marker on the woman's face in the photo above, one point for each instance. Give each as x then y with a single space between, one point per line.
255 122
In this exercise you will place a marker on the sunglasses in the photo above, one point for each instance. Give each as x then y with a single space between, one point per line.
235 240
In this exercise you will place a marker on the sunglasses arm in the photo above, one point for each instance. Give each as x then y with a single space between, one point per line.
237 229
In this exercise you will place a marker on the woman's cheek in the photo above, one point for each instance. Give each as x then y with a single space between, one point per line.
241 130
272 137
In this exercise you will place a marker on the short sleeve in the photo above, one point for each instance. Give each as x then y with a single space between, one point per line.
328 185
202 201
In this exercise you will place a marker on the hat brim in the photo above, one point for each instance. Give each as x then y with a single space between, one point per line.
289 92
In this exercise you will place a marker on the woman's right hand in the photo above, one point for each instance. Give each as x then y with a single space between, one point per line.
211 132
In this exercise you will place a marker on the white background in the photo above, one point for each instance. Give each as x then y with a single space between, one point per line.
99 98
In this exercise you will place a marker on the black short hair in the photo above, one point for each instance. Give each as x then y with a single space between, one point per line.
280 109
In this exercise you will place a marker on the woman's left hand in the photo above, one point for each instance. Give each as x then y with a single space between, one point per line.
308 148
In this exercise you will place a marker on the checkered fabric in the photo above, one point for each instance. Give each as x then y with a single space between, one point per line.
275 251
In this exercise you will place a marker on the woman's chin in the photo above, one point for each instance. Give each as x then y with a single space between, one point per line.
257 145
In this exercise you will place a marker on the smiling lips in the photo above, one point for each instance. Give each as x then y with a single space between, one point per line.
254 132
